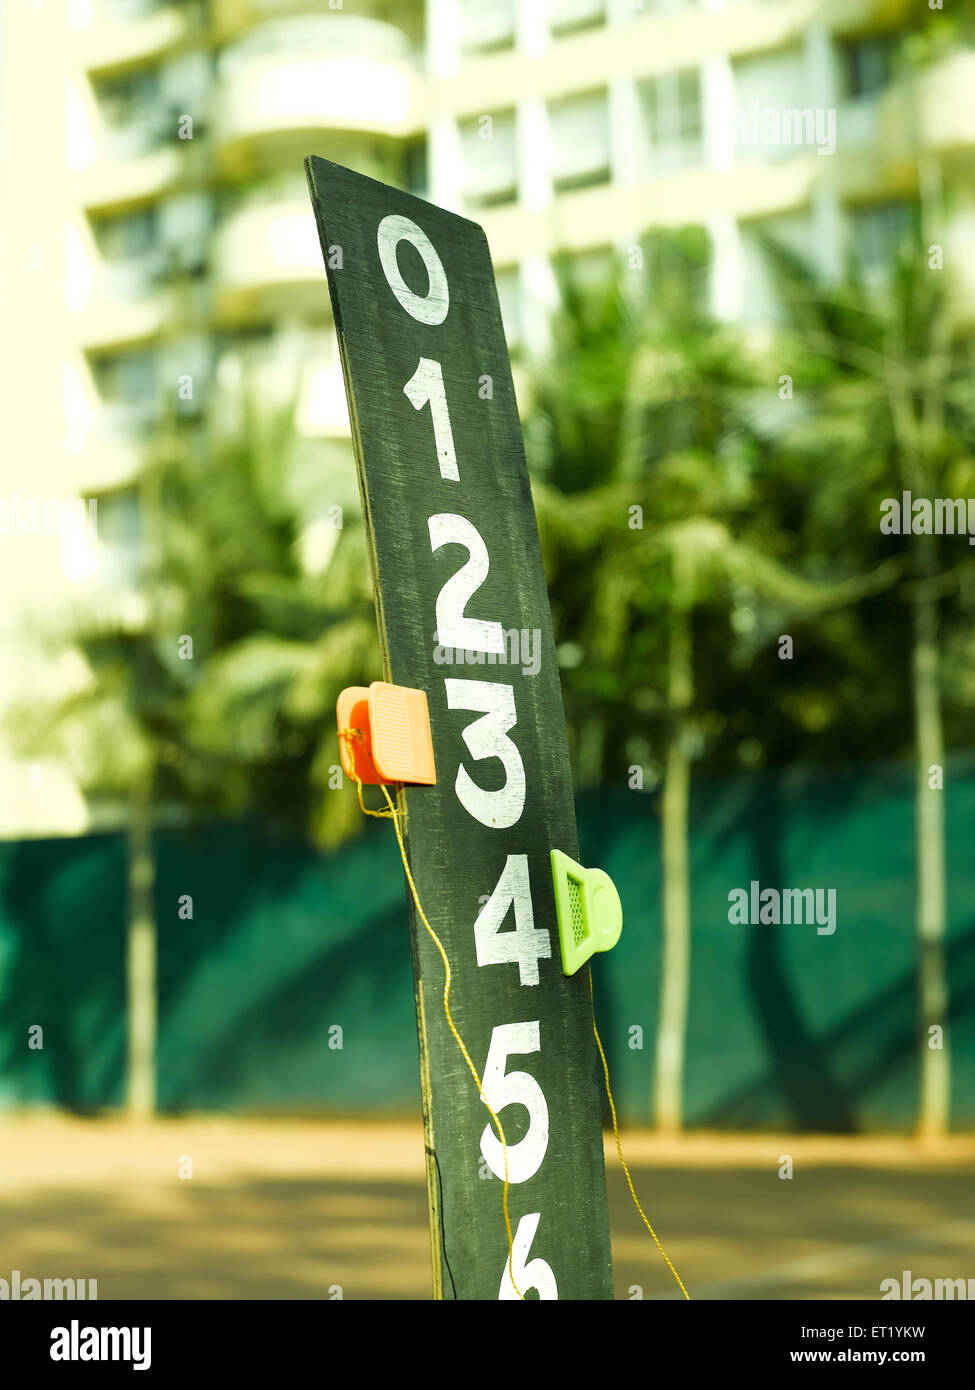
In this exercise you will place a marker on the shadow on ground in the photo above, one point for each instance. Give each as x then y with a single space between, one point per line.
316 1211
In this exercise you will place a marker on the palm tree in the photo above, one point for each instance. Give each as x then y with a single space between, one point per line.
645 411
889 412
211 688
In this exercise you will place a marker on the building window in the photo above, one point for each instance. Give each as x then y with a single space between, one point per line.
591 270
119 526
771 118
186 368
580 140
490 159
672 110
868 66
133 113
877 234
128 383
130 235
487 27
185 221
569 16
132 251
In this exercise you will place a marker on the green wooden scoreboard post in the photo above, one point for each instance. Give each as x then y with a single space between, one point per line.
457 570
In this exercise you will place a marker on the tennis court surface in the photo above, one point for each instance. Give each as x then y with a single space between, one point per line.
320 1208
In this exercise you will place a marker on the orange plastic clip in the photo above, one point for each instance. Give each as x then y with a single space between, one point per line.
394 722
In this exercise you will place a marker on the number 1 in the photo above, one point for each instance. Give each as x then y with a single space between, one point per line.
426 385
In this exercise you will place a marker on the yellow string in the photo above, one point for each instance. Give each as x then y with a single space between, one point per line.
619 1145
349 736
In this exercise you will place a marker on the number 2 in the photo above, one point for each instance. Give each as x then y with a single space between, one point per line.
453 628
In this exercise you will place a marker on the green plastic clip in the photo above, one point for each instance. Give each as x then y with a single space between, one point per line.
588 908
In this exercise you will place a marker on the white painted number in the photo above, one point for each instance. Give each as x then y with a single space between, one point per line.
528 1274
526 945
426 384
487 738
501 1089
425 308
453 629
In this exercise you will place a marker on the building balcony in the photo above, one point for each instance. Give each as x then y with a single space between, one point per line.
931 112
112 450
118 316
116 181
116 34
288 80
266 261
232 17
601 216
107 323
947 113
121 166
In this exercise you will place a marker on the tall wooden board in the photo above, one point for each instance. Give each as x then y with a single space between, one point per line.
457 570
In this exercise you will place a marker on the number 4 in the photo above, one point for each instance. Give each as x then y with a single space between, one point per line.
526 945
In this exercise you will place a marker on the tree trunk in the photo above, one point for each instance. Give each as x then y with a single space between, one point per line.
141 959
675 971
934 1098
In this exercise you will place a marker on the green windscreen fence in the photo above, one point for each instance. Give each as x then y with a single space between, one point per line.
285 984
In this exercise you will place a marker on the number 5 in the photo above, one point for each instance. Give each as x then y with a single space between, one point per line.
500 1090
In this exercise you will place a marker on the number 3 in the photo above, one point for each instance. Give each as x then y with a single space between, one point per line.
487 738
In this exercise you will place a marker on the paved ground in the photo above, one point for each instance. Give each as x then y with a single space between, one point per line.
289 1209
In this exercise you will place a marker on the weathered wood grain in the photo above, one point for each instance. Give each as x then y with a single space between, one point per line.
457 860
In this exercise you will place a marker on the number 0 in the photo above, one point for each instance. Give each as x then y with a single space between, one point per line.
425 308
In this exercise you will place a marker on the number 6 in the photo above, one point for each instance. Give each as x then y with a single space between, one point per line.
535 1274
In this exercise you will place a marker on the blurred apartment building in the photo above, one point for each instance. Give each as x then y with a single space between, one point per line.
157 230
